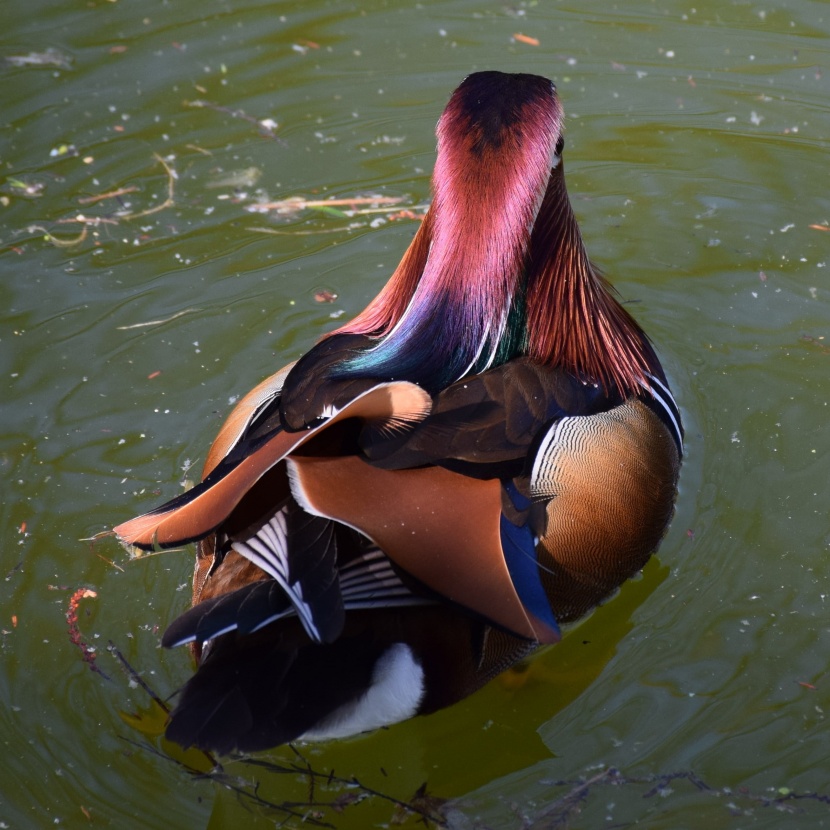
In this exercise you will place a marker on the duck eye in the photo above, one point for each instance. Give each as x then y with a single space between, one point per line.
560 146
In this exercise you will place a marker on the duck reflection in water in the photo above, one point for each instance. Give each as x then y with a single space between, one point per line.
484 453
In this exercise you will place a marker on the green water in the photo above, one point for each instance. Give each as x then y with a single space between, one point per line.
697 161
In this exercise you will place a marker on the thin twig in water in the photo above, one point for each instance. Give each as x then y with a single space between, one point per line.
110 562
139 554
275 232
168 202
367 211
88 221
305 768
198 149
135 677
113 194
56 241
257 799
559 812
667 778
220 777
296 203
264 125
157 322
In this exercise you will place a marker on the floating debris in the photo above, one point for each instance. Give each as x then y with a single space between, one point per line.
157 322
112 194
295 204
24 186
75 635
57 241
530 41
168 202
267 126
50 57
237 179
63 150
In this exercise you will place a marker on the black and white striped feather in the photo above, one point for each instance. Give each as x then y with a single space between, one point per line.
368 581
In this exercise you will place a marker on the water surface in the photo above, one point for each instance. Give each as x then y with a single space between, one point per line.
697 163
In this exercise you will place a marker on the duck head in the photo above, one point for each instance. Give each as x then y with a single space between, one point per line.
498 269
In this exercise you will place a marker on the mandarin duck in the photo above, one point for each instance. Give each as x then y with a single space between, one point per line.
492 438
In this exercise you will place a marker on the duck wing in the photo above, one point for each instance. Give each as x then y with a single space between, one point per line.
486 425
202 509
